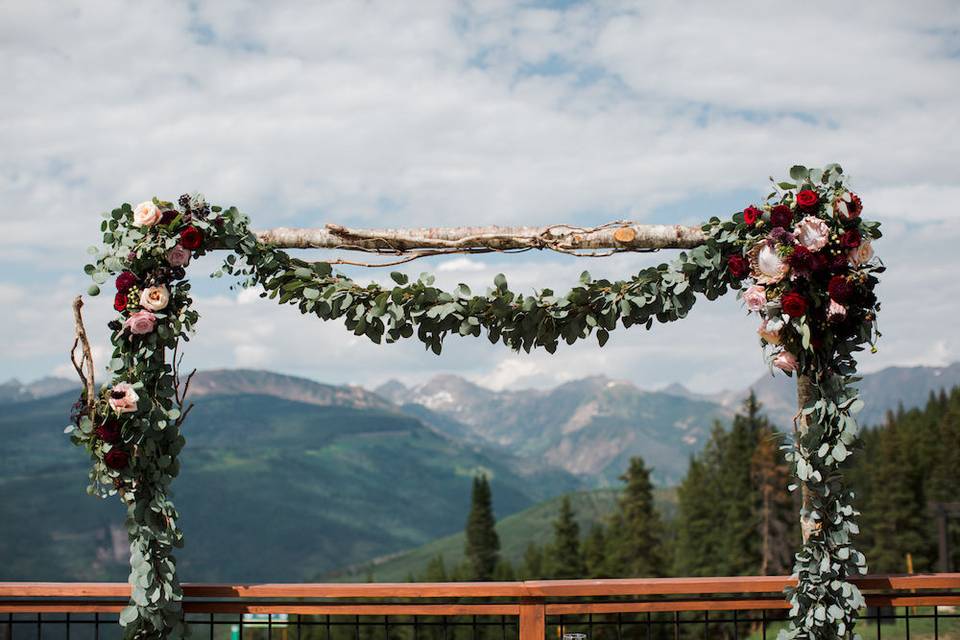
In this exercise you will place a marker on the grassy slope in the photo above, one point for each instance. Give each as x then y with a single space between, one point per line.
516 531
270 490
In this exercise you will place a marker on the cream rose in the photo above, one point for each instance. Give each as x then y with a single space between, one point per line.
122 398
812 232
862 254
755 297
179 256
785 361
146 214
141 322
155 298
770 331
770 265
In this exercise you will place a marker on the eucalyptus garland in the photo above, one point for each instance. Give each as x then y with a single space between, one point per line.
802 261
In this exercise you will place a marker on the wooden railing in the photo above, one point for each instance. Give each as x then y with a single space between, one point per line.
525 610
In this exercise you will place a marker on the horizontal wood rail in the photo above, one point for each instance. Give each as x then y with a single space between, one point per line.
535 598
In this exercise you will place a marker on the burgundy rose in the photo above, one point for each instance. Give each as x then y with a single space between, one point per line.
751 214
839 262
781 216
793 304
819 263
125 280
738 266
120 301
840 289
851 239
168 216
191 238
117 459
109 431
807 199
801 258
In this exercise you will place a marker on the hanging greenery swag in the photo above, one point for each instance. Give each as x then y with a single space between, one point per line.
802 261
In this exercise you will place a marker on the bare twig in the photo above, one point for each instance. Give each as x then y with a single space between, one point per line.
86 358
180 396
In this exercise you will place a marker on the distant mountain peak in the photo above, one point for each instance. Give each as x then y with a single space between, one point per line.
287 387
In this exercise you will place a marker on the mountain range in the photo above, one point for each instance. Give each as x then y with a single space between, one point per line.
298 479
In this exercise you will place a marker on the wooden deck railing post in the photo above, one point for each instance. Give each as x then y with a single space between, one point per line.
533 619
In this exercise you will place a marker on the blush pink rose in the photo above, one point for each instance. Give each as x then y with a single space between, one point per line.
141 322
755 297
179 256
785 361
770 331
155 298
836 311
861 255
146 214
122 398
812 232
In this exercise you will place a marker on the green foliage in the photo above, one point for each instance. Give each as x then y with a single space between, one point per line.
563 560
482 545
635 533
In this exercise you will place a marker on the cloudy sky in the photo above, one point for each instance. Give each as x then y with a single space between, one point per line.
444 113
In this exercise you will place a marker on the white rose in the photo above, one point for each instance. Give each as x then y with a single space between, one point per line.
812 232
146 214
155 298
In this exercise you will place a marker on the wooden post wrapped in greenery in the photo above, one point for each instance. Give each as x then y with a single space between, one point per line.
802 260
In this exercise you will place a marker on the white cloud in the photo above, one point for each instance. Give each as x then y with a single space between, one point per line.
401 114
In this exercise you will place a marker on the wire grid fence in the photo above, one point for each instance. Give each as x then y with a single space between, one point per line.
908 623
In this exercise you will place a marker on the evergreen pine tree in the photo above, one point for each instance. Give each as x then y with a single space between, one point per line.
563 555
776 521
533 562
696 548
594 552
482 547
436 570
635 535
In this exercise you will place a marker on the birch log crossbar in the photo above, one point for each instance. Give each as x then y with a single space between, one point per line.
614 236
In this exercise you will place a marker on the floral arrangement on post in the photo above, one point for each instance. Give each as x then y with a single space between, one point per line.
803 262
806 258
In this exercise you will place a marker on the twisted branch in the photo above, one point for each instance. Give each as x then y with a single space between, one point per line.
86 357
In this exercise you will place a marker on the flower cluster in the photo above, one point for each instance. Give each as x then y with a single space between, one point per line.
808 268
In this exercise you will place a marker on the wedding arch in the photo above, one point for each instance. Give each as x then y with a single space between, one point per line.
802 261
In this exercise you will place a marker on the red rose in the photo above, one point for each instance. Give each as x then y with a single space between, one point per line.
793 304
781 216
191 238
851 239
751 214
125 280
109 431
840 289
807 199
120 301
738 266
117 459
